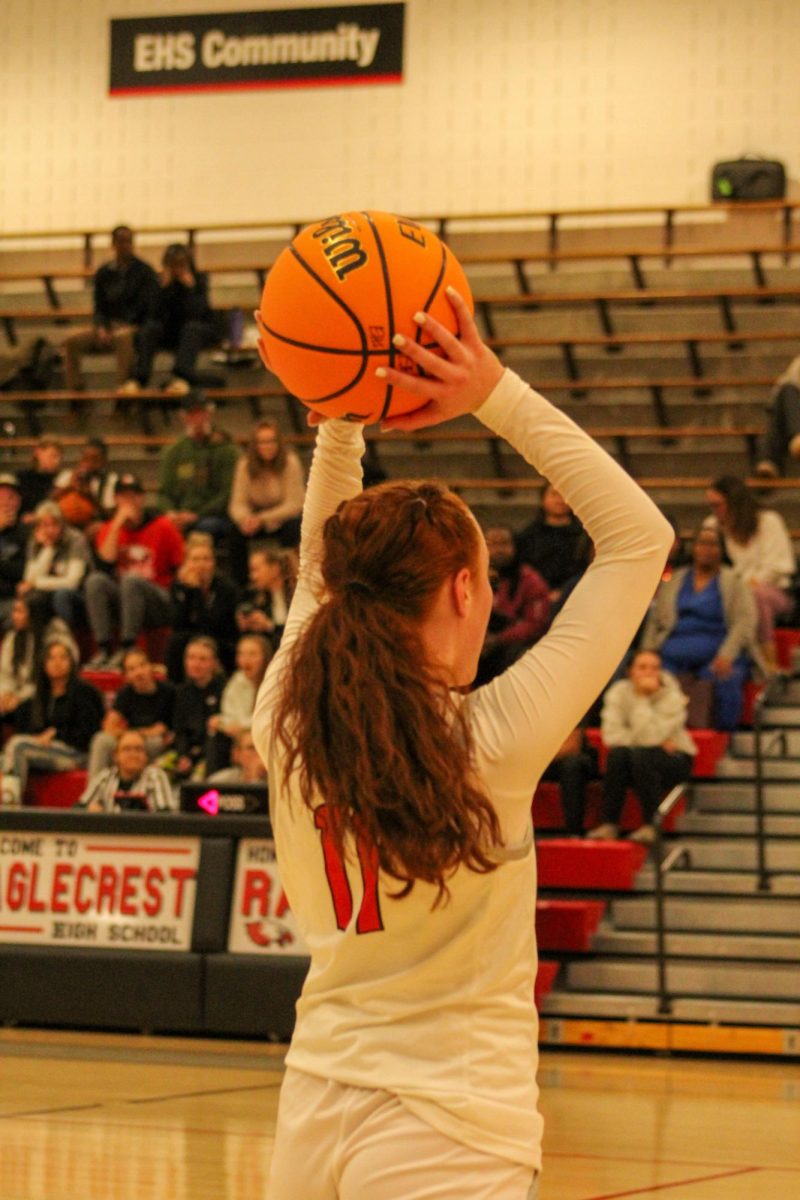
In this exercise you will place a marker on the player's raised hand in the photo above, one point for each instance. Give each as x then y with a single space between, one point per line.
455 382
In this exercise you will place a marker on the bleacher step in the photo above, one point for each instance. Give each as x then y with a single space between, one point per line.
628 1006
731 767
741 797
740 854
764 915
733 980
739 824
710 946
719 883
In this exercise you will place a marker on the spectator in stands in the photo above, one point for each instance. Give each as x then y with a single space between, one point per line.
520 607
85 493
13 543
551 543
247 767
124 290
180 319
138 552
703 624
572 769
202 601
644 726
758 545
253 654
196 472
268 487
57 559
131 784
36 482
781 438
20 654
196 699
144 703
266 603
55 725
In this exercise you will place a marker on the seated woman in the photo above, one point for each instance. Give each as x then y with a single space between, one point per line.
266 602
20 653
131 784
268 487
253 654
248 766
644 726
55 725
758 545
203 602
180 319
57 560
703 623
267 492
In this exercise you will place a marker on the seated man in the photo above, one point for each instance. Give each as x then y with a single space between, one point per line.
139 551
196 472
123 294
131 784
13 543
520 608
247 764
197 699
144 703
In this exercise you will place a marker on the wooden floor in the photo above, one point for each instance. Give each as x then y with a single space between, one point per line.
97 1117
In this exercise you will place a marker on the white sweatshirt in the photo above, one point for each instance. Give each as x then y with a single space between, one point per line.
436 1006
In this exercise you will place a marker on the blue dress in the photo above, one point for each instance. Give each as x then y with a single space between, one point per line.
694 643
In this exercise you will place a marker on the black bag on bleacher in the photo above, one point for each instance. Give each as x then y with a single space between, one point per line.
748 178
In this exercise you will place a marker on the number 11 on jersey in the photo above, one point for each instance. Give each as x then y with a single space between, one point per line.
369 914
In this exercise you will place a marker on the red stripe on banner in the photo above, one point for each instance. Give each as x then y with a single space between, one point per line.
663 1187
21 929
138 849
159 89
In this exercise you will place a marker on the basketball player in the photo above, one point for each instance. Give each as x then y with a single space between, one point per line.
401 806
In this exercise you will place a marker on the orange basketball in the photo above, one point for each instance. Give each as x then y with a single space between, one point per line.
336 297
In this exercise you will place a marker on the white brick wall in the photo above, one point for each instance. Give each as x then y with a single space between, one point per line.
506 105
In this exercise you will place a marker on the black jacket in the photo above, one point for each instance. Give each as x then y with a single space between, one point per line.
125 296
76 716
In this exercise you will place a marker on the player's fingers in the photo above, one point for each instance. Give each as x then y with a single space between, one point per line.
418 384
447 340
420 418
467 329
429 361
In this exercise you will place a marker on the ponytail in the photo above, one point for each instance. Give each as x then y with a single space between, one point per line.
364 720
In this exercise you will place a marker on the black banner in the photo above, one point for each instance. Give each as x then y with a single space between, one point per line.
291 47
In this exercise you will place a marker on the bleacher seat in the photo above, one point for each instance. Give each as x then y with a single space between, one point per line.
55 789
603 866
567 925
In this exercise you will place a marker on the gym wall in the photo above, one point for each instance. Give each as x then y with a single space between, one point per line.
505 105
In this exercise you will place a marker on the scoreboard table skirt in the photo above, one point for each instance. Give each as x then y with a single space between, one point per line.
153 922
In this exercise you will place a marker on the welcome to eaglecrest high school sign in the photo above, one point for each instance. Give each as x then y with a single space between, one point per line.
299 47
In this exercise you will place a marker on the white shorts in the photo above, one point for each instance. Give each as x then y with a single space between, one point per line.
345 1143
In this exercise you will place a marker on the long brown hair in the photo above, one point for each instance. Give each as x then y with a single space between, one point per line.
363 716
255 463
743 508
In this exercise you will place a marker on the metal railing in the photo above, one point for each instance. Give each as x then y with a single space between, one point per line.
678 856
777 684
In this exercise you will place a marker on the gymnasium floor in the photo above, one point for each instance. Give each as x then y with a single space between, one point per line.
99 1117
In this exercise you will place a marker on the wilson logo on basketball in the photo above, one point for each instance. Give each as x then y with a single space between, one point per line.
343 251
